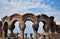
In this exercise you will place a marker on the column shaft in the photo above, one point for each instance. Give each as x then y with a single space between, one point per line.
35 35
22 34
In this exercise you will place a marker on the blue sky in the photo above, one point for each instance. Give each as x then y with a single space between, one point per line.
48 7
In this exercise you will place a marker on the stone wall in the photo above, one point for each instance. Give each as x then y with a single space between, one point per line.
55 36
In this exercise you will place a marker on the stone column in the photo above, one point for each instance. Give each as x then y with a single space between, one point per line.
50 33
22 34
31 36
47 30
22 28
35 28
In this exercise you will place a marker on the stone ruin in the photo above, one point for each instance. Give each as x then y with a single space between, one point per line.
50 29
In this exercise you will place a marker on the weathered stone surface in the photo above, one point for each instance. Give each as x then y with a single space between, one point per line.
49 23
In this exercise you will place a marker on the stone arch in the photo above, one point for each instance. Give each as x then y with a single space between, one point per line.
5 25
44 19
33 18
52 23
30 17
4 20
17 17
28 28
40 29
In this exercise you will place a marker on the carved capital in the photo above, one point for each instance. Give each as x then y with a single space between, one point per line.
12 27
23 27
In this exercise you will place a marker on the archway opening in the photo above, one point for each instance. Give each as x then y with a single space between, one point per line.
40 30
15 30
29 29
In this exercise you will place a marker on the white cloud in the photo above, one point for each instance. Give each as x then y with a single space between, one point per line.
23 6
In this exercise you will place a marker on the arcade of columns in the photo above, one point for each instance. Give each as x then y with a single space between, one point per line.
48 21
